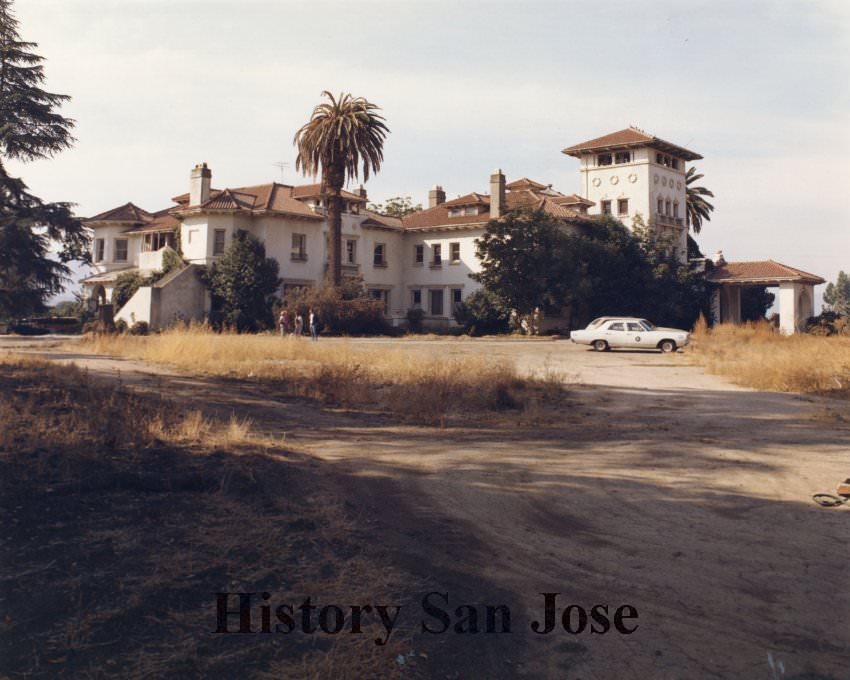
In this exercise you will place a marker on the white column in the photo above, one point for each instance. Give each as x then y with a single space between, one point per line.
788 308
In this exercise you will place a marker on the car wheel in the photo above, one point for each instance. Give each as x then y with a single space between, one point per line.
667 346
600 345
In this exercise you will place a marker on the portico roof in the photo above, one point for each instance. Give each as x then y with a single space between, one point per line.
760 272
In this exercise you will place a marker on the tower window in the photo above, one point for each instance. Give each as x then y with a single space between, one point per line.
603 159
623 157
623 206
606 207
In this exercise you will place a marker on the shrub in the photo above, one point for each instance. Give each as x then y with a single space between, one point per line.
482 313
139 328
346 310
121 326
414 320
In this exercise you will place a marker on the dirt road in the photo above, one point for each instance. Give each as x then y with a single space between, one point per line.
659 487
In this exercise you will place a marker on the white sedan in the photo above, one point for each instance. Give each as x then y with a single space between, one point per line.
607 332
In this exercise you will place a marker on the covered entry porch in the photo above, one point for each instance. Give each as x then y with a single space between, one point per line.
796 291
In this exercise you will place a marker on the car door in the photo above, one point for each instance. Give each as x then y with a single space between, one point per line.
615 334
636 334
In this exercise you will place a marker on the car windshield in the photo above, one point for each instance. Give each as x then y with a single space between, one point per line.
596 322
647 325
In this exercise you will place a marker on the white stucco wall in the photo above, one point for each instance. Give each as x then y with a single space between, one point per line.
138 308
642 181
448 275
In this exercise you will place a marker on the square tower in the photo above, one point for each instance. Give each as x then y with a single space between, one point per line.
630 172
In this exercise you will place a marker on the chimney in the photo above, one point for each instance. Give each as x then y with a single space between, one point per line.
436 196
718 258
497 194
199 184
362 192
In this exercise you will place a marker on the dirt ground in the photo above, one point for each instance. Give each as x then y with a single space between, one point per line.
659 487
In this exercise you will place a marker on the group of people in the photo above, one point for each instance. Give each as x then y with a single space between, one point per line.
293 325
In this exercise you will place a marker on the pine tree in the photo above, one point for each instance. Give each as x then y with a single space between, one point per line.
30 129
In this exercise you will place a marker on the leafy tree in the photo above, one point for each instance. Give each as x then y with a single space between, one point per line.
397 206
755 301
340 138
243 283
836 296
698 209
530 260
30 129
523 259
482 313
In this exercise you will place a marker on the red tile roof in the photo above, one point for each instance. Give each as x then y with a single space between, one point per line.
758 272
468 199
124 213
628 138
272 197
315 190
525 183
375 219
438 216
162 220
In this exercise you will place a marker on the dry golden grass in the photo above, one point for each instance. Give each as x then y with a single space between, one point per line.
422 387
125 514
756 355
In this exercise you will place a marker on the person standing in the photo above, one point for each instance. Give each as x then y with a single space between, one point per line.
283 322
314 324
299 324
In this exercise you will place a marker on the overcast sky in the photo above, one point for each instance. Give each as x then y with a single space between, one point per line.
760 89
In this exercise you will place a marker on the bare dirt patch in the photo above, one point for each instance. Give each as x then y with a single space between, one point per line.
665 489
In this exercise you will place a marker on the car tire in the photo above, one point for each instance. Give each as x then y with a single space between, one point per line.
667 346
600 345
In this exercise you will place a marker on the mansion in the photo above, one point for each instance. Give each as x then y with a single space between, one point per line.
419 261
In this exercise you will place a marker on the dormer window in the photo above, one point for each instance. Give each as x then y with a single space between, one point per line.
603 159
623 157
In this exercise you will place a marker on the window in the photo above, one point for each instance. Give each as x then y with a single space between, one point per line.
437 259
156 240
676 209
416 298
660 210
674 163
98 250
454 252
436 301
218 242
635 328
617 327
623 206
606 207
659 158
623 157
667 209
350 251
299 247
457 297
382 295
121 250
379 257
603 159
418 254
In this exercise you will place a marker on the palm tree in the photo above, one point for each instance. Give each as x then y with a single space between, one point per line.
698 208
341 136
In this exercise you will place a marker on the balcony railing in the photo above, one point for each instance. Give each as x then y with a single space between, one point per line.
668 220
